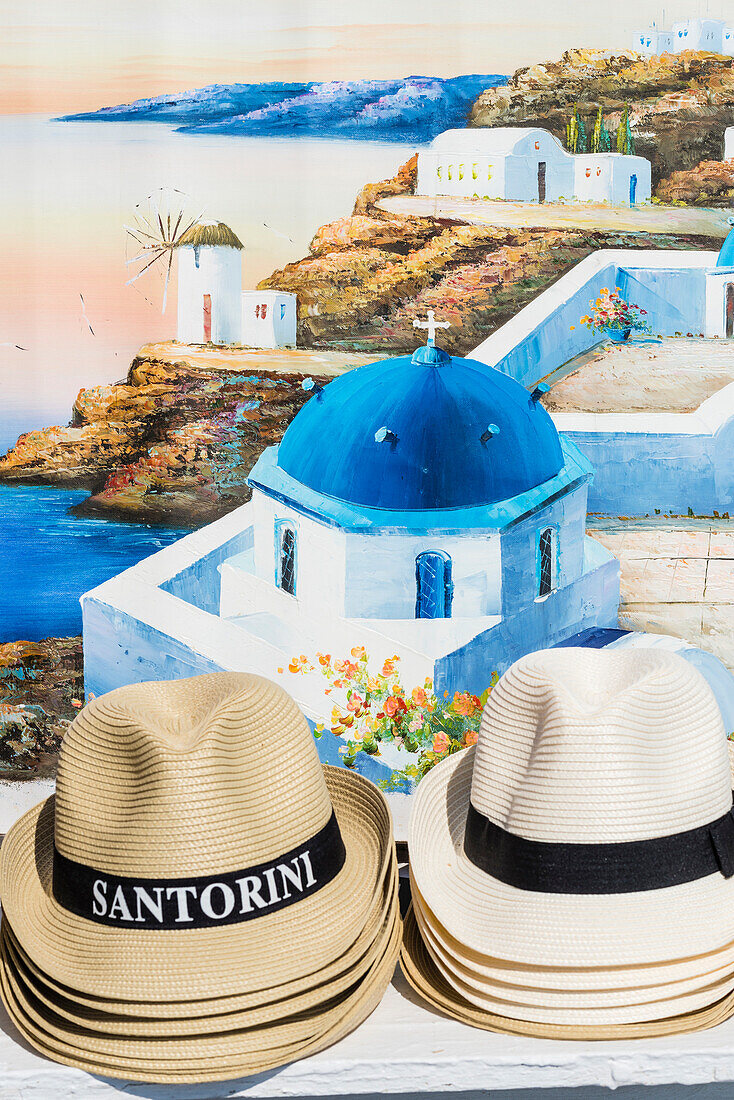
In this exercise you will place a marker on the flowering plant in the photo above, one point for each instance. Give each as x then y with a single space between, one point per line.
373 708
611 311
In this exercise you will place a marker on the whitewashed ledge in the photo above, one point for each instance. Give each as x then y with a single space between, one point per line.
406 1051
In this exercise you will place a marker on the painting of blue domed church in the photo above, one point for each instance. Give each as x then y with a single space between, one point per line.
431 507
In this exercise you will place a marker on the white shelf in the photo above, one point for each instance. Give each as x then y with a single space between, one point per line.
405 1050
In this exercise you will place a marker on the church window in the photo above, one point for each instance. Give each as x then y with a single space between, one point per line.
451 171
461 171
197 255
285 557
474 170
537 145
546 568
434 586
439 169
282 310
263 312
489 171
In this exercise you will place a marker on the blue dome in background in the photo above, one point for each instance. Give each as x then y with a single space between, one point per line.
422 432
726 255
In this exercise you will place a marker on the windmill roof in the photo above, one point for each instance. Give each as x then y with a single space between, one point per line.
211 233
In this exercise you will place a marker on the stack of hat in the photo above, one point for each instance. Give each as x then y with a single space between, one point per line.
202 900
573 873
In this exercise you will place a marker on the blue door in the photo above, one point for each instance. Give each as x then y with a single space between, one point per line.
434 587
633 189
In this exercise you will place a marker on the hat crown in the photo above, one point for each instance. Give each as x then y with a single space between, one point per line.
593 746
188 777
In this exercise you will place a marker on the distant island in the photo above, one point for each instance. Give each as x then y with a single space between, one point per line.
413 108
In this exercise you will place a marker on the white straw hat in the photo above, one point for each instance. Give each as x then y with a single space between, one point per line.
588 836
202 898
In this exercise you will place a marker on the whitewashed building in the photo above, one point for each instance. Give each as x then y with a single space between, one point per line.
527 164
709 35
209 285
698 34
729 143
269 319
653 42
612 177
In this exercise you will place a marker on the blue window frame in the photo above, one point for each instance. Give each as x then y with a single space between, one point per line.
546 561
434 586
285 557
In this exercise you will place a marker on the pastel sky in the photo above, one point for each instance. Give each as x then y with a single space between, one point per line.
82 54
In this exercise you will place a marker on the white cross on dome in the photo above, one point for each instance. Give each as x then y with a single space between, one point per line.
431 324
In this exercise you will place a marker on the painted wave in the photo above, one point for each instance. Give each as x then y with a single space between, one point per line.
414 108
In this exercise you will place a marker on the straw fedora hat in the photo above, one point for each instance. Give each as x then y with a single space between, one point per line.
578 862
201 889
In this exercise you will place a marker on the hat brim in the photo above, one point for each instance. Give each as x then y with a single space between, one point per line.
599 1007
546 983
275 1000
110 1022
287 947
200 1058
552 930
425 978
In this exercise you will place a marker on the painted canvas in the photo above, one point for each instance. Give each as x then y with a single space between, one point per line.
363 350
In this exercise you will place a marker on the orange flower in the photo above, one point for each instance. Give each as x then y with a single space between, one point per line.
391 706
470 737
388 668
464 704
441 742
604 290
355 704
294 666
419 696
324 658
359 652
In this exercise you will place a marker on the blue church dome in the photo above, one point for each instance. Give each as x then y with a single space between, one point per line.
422 432
726 255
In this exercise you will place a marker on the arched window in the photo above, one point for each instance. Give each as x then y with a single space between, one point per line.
285 557
434 587
546 561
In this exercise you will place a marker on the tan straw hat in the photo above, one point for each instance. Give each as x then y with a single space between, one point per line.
202 899
576 866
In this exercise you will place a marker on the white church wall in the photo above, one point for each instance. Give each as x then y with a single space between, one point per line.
717 290
380 573
606 177
515 174
217 271
566 518
461 174
522 176
269 319
698 34
320 555
729 138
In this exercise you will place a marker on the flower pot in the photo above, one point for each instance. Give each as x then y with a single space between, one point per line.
617 335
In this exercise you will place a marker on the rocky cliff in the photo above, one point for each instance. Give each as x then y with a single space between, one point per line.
368 276
175 441
679 105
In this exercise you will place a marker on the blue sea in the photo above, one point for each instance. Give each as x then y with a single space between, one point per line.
50 557
68 318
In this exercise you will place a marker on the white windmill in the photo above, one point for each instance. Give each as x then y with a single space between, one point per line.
157 226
